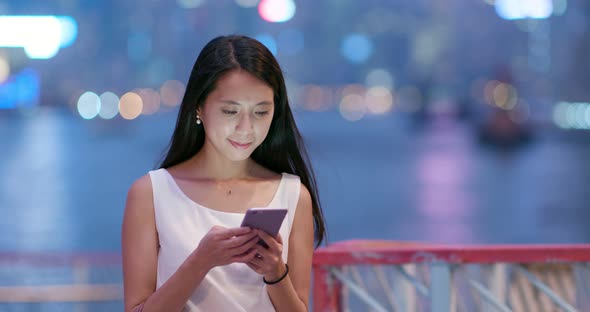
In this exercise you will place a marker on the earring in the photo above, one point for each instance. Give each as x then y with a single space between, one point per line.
198 120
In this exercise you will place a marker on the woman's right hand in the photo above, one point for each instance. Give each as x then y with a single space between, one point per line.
222 246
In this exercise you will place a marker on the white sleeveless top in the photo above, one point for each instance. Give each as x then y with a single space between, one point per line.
181 223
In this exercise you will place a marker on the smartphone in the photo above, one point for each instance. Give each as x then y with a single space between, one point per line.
268 220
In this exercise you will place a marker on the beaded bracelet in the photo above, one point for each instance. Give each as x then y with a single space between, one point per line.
280 278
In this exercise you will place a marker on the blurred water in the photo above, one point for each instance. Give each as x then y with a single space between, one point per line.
64 180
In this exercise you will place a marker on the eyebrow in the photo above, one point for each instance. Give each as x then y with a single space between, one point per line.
230 102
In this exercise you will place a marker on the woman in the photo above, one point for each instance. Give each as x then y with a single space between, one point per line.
235 146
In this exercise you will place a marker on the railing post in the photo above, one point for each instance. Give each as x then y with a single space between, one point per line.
440 287
497 280
326 290
404 290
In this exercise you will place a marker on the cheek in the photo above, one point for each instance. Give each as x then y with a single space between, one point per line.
224 131
262 130
219 128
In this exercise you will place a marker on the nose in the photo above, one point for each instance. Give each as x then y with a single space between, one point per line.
244 124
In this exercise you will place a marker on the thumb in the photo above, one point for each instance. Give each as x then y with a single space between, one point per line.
279 238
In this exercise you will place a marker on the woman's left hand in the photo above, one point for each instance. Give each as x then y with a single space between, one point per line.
268 261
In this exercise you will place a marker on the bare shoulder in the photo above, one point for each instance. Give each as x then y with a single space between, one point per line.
142 187
304 197
140 198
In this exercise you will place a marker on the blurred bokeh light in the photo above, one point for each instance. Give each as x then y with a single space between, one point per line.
89 105
40 36
276 11
171 92
356 48
4 69
130 105
109 105
536 9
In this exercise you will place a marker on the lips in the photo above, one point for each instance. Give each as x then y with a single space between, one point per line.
240 145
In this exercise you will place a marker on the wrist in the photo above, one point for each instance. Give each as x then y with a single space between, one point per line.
277 275
277 271
198 262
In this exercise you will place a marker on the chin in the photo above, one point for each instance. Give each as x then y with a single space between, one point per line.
238 156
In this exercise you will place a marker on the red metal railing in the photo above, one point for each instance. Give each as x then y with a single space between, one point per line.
438 288
411 276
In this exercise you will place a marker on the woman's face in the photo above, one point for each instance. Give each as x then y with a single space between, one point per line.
237 114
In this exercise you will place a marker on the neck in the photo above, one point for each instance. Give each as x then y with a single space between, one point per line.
216 167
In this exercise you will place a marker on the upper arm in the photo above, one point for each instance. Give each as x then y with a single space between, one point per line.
139 242
301 246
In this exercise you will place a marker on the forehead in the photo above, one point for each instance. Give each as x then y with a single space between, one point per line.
241 86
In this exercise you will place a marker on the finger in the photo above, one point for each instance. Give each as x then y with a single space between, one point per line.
265 254
269 240
259 261
229 233
245 257
237 241
245 247
216 231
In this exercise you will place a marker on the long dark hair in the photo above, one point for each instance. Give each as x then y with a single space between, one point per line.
282 150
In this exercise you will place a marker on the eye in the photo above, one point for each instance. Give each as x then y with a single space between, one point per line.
262 113
228 112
